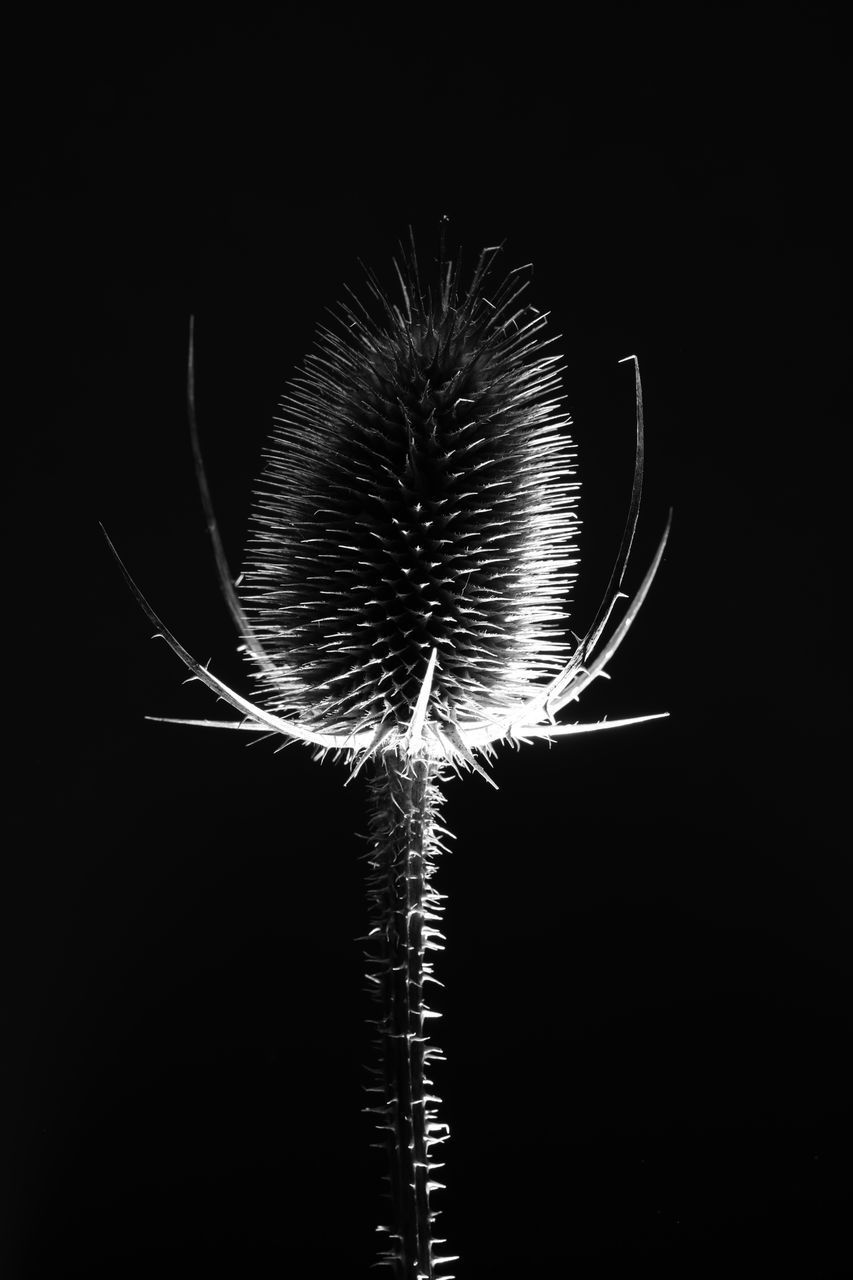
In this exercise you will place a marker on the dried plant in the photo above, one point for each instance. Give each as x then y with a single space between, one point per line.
404 606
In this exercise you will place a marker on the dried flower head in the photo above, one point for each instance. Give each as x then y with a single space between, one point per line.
413 534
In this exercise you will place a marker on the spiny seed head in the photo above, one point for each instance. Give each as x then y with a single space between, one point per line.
417 493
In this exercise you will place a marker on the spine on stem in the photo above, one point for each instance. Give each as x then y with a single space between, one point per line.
405 915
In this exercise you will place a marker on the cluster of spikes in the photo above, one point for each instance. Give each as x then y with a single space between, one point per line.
403 604
404 931
413 534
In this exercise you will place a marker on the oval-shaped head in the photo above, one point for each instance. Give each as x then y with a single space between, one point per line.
418 493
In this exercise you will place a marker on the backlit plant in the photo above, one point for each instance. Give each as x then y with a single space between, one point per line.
403 605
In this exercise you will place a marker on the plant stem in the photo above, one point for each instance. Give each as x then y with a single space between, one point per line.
405 912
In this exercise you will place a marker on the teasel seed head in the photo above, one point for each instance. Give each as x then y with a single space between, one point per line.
413 535
418 494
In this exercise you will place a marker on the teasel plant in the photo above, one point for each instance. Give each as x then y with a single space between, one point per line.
403 607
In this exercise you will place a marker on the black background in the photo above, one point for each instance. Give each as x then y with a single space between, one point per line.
646 1009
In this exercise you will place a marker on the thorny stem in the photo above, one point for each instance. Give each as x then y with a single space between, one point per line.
405 912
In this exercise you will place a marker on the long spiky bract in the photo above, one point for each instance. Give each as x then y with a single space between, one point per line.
404 604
